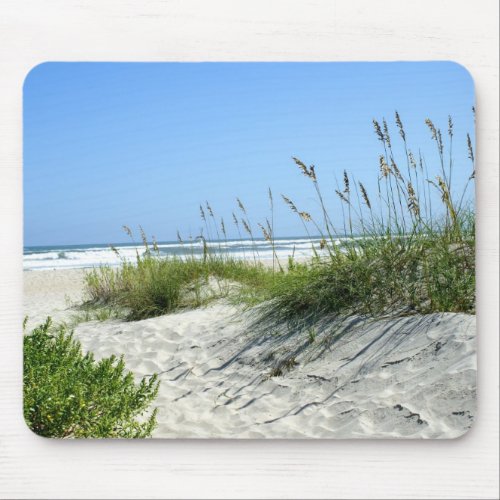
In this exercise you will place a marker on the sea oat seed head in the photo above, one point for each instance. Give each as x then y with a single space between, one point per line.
386 132
290 203
412 200
378 130
364 194
440 141
384 168
341 196
346 183
127 230
399 123
209 208
432 128
396 170
470 149
308 172
267 236
242 207
246 226
413 163
312 173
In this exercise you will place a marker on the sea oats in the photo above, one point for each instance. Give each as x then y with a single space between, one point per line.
127 230
411 158
290 203
246 226
432 128
412 200
308 172
384 168
386 132
470 149
445 194
378 130
143 237
396 170
399 123
269 228
223 227
209 208
446 198
266 234
301 165
364 194
346 183
440 142
341 196
312 172
242 207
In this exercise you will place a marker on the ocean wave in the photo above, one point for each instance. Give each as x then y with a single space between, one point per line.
95 255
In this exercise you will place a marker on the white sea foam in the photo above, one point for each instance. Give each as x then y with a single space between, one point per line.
74 257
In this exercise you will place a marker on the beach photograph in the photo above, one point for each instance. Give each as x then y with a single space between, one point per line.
249 250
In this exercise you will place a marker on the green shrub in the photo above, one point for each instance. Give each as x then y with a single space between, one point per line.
70 395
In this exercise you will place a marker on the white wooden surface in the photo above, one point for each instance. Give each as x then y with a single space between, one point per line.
32 31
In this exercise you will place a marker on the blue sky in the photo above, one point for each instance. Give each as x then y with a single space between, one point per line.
107 144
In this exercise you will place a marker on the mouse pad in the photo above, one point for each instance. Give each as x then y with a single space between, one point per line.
249 250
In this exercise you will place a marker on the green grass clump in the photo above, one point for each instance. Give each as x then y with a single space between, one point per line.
154 286
385 275
70 395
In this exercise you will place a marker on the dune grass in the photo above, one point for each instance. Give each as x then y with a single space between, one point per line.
409 247
153 286
423 273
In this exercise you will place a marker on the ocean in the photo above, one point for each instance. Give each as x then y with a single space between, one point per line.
85 256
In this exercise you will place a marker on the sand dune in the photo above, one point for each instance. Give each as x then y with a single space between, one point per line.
225 376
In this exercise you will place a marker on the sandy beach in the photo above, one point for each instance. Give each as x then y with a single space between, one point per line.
225 376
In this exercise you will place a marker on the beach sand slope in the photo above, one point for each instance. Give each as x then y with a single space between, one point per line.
223 375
